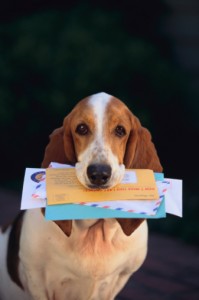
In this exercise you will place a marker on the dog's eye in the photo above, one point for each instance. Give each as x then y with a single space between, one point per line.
120 131
82 129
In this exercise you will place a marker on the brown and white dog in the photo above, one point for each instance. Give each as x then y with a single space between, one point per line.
81 259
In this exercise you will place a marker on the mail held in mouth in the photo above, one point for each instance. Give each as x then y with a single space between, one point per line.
139 192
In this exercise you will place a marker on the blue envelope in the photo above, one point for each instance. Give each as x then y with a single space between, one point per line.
79 212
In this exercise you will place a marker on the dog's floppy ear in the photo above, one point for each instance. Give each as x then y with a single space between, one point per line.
60 148
65 226
129 225
140 154
54 151
140 150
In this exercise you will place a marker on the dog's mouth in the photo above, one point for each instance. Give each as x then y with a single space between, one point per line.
98 187
99 176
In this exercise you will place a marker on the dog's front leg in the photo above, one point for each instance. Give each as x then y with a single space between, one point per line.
33 255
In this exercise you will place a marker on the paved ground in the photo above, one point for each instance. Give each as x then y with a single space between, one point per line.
171 270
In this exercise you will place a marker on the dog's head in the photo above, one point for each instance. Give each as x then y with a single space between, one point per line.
102 137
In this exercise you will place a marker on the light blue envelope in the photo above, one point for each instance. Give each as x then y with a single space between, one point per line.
78 212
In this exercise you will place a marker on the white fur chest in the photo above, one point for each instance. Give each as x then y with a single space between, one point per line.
92 263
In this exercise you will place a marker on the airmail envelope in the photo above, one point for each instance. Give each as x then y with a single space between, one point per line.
63 186
80 212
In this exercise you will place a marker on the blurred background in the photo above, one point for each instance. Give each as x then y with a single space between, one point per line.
54 53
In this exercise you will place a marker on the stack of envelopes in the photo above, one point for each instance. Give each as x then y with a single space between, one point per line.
141 194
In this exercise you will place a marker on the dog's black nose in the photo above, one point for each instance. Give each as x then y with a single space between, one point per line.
99 174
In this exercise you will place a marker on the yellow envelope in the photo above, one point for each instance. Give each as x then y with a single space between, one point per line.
62 186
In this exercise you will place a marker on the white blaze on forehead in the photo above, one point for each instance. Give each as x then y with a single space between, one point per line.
99 151
99 103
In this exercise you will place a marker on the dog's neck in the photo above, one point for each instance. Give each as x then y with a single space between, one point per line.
99 229
85 224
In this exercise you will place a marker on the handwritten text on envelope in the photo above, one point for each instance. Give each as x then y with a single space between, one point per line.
63 187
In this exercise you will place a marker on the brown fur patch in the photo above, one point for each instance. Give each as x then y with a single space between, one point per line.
13 249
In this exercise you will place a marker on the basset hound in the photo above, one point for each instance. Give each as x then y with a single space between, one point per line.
81 259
